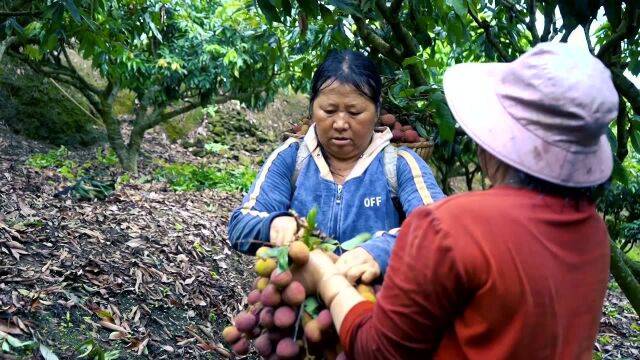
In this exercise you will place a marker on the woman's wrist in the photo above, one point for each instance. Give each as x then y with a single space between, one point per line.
331 284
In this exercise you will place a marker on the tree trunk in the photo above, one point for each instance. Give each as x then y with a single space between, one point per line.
114 135
634 266
130 163
624 277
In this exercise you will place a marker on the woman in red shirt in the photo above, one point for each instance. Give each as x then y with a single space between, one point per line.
515 272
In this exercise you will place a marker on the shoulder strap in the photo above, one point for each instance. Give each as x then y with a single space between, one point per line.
301 157
390 168
391 172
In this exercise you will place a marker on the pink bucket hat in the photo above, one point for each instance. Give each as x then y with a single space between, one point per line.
546 113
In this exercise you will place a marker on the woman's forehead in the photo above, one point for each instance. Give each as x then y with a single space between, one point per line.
337 90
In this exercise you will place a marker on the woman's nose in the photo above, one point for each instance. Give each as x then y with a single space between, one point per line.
340 122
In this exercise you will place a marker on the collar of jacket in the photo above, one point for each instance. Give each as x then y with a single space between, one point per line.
379 141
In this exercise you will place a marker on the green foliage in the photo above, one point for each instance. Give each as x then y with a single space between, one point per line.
59 159
10 344
355 241
53 158
91 350
634 253
190 177
620 206
175 56
109 158
215 148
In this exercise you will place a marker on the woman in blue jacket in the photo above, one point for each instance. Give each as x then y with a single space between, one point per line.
339 167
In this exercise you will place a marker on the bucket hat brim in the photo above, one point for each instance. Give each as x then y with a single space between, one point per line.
470 90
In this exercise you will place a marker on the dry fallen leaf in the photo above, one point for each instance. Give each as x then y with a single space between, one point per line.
111 326
135 243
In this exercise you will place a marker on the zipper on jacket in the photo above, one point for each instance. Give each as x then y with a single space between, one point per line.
339 198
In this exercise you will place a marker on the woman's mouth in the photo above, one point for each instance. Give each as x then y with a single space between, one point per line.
341 141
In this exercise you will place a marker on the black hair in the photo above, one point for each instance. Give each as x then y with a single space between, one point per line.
571 193
350 68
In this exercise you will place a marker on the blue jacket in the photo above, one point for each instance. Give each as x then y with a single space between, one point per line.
361 204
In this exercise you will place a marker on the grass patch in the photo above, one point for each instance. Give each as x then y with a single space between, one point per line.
59 159
52 159
190 177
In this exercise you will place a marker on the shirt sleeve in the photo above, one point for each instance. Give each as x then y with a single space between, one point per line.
416 184
380 246
423 291
416 187
268 198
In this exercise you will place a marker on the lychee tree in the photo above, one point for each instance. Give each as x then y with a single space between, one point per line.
175 56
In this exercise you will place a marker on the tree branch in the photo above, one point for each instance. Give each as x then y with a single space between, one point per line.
532 9
549 20
413 21
626 30
395 7
514 10
634 266
624 276
627 89
587 37
621 129
61 76
405 39
375 41
171 114
486 27
72 68
400 33
6 44
567 33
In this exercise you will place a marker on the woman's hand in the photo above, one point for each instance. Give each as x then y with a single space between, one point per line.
358 264
283 230
317 268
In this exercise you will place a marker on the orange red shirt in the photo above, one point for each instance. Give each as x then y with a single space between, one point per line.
499 274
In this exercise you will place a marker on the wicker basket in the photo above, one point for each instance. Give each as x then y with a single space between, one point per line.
424 149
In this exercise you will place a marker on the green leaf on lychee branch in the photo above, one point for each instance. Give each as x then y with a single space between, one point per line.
283 259
312 306
271 253
355 241
314 242
328 247
311 224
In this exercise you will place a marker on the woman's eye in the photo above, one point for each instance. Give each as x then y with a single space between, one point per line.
329 111
354 113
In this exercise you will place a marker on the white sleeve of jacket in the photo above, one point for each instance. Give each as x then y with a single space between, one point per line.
268 198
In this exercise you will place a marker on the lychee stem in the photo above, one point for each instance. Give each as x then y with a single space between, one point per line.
298 321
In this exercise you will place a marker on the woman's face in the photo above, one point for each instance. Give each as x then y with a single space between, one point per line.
495 170
345 119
